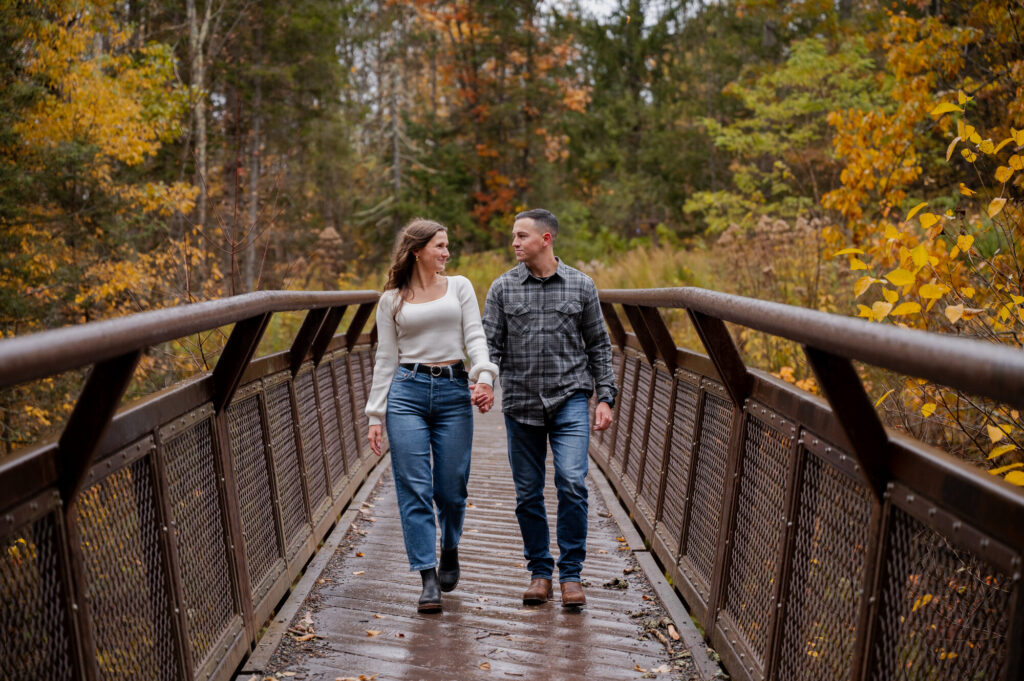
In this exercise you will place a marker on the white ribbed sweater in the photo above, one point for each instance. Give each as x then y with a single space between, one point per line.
436 331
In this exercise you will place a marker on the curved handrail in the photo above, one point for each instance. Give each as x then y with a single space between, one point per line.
980 368
37 355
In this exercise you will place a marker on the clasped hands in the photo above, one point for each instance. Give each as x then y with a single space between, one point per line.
481 395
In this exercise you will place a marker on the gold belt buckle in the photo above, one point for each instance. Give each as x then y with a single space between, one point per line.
435 371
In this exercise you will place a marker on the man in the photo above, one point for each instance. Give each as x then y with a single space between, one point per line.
546 333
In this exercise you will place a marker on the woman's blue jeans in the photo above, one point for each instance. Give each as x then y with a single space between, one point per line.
430 430
569 433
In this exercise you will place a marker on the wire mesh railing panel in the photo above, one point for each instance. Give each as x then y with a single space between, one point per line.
248 452
332 433
312 443
601 439
677 469
661 422
364 377
348 418
33 603
286 467
824 597
708 488
641 411
627 397
943 609
757 536
196 506
127 586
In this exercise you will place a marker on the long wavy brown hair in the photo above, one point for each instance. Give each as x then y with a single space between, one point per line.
414 236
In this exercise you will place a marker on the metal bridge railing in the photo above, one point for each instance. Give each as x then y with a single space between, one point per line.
154 542
809 541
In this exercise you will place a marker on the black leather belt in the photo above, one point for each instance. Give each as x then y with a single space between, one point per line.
457 370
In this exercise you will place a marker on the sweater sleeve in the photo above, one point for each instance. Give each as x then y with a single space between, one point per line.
483 370
385 362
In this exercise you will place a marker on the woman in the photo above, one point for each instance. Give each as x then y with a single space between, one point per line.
425 324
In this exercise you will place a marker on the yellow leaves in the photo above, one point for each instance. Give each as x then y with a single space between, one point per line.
1016 162
1003 173
1003 469
921 602
370 633
1015 478
954 313
944 108
966 191
900 277
928 409
986 147
1018 136
933 290
928 219
964 242
862 285
882 398
880 310
906 309
890 295
962 98
950 149
857 264
848 251
915 210
969 155
996 206
919 256
997 433
1000 450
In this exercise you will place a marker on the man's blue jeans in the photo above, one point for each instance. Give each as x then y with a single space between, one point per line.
569 433
430 430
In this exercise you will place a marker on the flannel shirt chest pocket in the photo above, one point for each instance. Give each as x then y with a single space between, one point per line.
566 316
518 318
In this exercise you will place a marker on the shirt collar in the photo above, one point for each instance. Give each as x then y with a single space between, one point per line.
523 272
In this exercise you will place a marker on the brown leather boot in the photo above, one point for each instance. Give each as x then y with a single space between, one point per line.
538 592
572 595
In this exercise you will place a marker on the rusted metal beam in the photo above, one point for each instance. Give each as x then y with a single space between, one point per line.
981 368
93 411
235 358
660 335
305 337
723 353
326 333
856 415
355 327
615 328
643 334
37 355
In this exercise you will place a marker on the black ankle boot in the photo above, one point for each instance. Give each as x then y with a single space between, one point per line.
430 599
448 571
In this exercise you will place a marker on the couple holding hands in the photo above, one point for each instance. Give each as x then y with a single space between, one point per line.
543 330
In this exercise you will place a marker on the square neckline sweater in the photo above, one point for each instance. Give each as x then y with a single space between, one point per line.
447 328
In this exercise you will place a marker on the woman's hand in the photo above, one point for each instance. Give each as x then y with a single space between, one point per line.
374 437
482 396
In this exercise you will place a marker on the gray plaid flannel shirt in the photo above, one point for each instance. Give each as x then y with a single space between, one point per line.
548 338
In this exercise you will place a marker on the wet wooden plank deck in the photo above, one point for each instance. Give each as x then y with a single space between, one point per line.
484 631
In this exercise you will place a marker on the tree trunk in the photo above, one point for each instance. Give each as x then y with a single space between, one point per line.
252 194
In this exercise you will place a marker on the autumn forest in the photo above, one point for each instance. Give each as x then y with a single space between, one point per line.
858 158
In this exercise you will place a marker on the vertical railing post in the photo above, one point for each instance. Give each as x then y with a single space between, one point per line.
615 328
76 451
661 336
326 333
870 445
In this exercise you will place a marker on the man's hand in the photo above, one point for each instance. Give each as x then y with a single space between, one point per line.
374 437
482 396
602 416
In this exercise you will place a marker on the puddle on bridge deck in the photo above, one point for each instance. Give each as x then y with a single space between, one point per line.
363 607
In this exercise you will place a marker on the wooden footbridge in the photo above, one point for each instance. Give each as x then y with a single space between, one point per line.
235 525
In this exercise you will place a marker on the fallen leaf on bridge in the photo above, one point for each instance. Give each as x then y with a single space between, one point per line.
372 632
663 669
378 616
486 666
673 633
359 554
359 572
306 637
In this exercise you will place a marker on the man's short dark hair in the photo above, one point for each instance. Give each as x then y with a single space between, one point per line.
543 217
